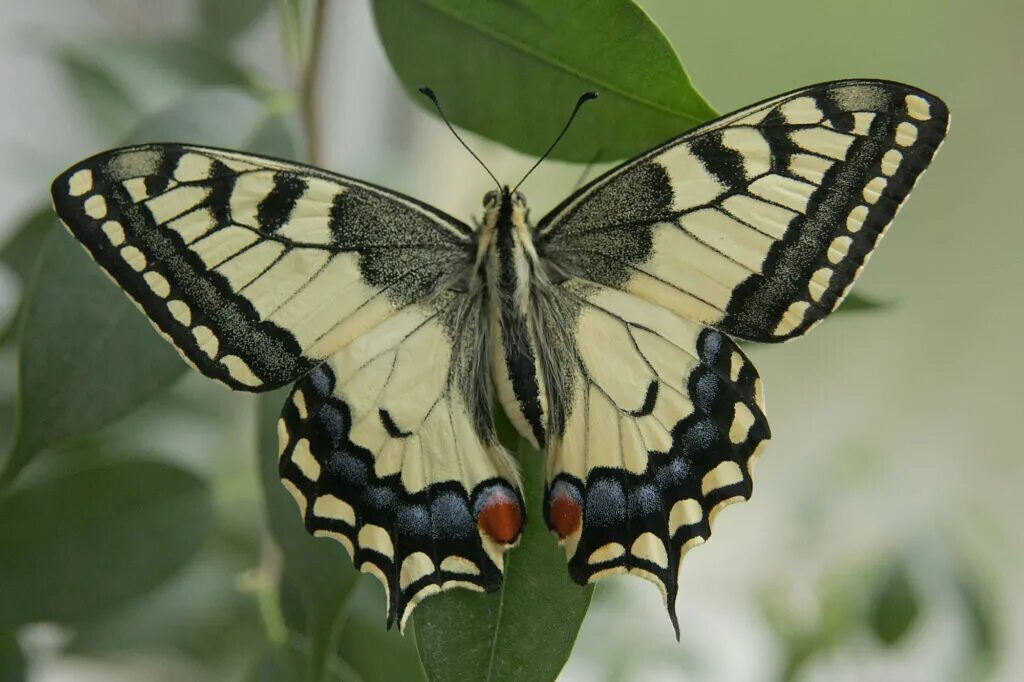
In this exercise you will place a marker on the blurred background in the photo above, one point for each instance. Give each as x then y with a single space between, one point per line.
883 541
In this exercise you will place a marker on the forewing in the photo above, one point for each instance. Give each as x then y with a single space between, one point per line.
255 269
389 448
759 222
662 420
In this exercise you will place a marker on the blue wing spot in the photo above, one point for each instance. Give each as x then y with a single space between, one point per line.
450 517
380 497
708 386
413 520
711 346
699 437
348 468
673 474
322 380
333 423
644 501
606 503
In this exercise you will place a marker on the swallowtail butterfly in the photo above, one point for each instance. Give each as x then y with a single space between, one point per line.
607 329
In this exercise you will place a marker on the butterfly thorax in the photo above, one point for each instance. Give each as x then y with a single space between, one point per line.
511 268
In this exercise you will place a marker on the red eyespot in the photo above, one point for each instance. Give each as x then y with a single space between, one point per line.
564 513
500 517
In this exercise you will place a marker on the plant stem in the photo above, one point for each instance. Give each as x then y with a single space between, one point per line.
308 89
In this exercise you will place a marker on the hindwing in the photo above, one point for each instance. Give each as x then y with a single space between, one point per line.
754 225
389 448
758 222
255 269
661 421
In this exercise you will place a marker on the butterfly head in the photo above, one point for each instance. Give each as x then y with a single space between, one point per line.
494 200
504 206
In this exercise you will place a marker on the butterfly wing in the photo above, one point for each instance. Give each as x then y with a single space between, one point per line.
255 269
389 448
755 225
262 271
759 222
661 423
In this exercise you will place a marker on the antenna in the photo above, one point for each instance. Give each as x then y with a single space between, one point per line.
433 98
585 97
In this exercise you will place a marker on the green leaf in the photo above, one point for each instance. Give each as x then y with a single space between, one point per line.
370 650
511 71
20 251
200 613
894 606
274 665
524 632
227 19
87 356
284 664
317 568
86 542
108 104
12 660
278 137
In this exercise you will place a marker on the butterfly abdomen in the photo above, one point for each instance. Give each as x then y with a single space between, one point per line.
515 363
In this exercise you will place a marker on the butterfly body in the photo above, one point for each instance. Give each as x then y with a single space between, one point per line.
513 273
605 330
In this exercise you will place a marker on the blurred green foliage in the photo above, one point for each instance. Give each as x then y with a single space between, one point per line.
133 553
80 543
894 606
885 600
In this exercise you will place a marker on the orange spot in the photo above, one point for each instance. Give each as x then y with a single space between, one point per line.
564 515
501 518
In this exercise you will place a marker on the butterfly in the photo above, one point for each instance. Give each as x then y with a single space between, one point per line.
607 330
